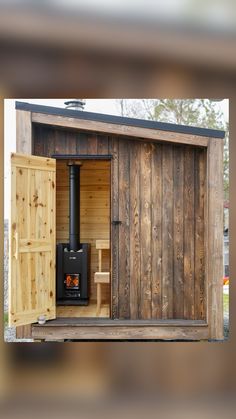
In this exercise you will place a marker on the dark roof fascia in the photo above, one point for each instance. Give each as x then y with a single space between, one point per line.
120 120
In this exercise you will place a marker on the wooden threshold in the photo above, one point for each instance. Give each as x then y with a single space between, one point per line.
108 329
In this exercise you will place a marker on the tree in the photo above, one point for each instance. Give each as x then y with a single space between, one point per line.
196 112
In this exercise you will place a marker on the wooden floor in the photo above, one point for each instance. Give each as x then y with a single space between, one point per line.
83 311
75 321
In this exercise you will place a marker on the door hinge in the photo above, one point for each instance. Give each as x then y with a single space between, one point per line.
116 222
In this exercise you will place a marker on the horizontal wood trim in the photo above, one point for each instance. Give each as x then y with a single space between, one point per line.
102 244
124 130
102 277
120 332
83 311
123 322
92 157
33 162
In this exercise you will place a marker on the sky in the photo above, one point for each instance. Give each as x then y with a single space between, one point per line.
108 106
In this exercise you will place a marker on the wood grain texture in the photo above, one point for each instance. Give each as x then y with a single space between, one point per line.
135 243
102 144
145 232
23 132
94 213
83 311
215 238
114 150
102 277
178 285
124 230
160 194
156 238
121 130
32 230
199 263
118 331
167 232
189 220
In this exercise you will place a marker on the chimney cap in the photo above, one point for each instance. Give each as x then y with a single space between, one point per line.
77 104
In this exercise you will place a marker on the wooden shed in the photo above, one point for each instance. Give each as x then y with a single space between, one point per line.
153 191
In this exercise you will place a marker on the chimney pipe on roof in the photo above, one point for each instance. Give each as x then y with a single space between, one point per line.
76 104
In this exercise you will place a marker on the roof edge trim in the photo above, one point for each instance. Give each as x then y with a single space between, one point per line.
120 120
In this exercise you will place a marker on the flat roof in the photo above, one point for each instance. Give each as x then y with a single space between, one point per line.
120 120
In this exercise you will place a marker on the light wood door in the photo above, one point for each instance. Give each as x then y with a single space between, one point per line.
32 239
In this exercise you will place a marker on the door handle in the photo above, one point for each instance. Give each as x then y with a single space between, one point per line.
116 222
16 237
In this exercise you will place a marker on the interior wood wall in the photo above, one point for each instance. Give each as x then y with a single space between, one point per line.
159 195
94 213
94 198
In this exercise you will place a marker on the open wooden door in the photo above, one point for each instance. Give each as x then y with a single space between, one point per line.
32 239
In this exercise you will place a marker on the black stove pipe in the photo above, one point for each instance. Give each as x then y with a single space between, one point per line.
74 207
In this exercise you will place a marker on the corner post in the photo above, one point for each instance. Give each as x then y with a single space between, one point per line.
215 238
23 132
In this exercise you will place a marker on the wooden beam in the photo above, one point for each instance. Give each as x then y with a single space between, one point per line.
102 244
23 132
215 238
87 322
102 277
115 330
124 130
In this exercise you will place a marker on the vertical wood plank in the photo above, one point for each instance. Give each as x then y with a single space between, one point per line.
215 238
178 289
200 176
124 231
71 138
145 226
167 232
48 138
23 132
92 144
102 144
156 198
60 142
82 143
189 233
114 150
37 140
135 199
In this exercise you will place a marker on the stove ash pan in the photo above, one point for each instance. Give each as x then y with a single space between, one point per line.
72 275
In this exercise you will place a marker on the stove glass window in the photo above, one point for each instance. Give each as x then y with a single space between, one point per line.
72 281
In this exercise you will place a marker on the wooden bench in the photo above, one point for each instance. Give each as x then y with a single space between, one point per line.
101 277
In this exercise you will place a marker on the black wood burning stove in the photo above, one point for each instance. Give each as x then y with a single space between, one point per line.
73 257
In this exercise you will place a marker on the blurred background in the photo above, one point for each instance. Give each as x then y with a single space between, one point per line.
118 49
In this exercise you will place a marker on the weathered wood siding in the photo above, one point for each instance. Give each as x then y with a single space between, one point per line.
158 192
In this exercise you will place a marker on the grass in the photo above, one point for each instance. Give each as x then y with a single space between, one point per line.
226 303
5 319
